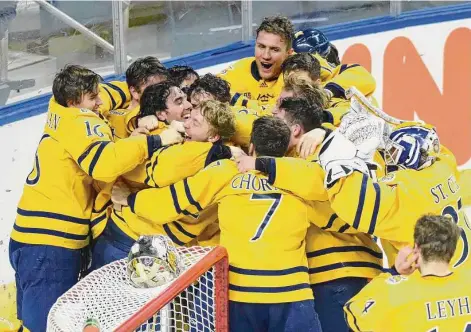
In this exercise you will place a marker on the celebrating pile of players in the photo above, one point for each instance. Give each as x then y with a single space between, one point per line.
335 216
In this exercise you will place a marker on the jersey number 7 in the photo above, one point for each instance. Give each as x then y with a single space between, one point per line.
276 198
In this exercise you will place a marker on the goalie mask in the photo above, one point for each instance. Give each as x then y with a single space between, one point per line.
153 261
412 146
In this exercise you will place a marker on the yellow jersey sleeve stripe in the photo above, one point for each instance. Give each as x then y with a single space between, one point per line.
95 221
121 93
51 215
176 205
190 197
282 289
183 230
331 250
330 222
43 231
103 208
282 272
361 202
172 236
345 67
87 152
150 168
335 266
344 228
96 157
113 102
374 217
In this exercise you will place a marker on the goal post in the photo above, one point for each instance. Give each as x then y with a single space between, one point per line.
197 300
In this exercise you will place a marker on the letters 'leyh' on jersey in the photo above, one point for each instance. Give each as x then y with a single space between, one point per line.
248 89
169 165
334 248
266 255
57 201
412 303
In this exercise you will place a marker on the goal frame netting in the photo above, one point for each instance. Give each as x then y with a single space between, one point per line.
218 258
214 263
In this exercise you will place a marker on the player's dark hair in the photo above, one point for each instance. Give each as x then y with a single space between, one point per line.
302 62
179 73
436 237
142 69
72 82
270 136
278 25
300 111
154 98
333 56
216 86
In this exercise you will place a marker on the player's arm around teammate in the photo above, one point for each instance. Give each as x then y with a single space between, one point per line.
53 217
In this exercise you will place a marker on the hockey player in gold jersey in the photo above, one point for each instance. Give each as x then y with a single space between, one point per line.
304 69
268 279
139 75
210 124
433 298
258 80
340 263
53 219
418 167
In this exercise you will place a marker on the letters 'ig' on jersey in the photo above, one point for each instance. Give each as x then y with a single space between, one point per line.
266 255
412 303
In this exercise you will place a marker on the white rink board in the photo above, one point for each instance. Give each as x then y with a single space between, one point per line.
20 138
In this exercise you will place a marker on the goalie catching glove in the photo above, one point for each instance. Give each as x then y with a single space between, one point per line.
339 158
153 261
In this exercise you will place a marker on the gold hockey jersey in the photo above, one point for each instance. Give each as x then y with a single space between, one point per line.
412 303
248 89
267 259
57 201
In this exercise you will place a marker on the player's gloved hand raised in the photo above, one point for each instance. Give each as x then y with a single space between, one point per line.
170 136
365 131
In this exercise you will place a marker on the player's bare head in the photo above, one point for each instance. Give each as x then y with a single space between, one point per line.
436 237
280 26
165 100
210 122
209 87
300 86
184 76
77 86
144 72
299 115
270 137
273 45
302 63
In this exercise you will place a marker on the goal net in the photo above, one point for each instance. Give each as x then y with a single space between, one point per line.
195 301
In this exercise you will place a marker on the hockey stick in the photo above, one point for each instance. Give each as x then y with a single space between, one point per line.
365 103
